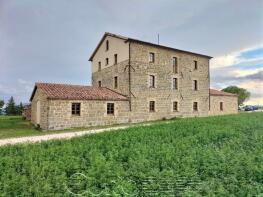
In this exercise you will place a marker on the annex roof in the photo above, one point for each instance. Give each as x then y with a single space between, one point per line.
214 92
127 39
77 92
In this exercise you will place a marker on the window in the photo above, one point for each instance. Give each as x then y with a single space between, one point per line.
195 106
195 65
99 83
115 82
195 85
107 61
175 106
110 108
175 84
99 66
152 81
221 106
115 58
107 45
152 106
175 67
75 109
151 57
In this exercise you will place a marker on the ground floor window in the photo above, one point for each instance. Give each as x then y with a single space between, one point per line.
175 106
110 108
195 106
75 109
152 106
221 106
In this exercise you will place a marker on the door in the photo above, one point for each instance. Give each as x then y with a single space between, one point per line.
38 112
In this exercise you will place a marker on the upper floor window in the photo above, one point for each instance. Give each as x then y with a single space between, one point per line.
75 109
152 81
115 82
99 83
195 106
151 57
152 106
175 106
195 85
175 84
110 108
99 66
175 66
115 58
195 65
107 61
107 45
221 106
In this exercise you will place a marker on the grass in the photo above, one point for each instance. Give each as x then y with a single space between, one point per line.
16 126
213 156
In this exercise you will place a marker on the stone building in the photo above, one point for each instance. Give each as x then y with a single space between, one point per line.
143 81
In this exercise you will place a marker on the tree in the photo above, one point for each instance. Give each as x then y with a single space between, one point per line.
1 106
19 109
11 107
242 93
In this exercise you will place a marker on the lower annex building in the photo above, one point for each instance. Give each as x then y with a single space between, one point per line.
132 81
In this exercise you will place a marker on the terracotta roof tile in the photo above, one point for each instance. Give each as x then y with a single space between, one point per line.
214 92
77 92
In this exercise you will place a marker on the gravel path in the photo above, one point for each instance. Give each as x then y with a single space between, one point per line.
68 135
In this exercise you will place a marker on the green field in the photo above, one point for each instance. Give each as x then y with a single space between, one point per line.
214 156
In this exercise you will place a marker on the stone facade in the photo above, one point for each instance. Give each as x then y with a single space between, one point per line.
93 113
40 97
163 94
229 105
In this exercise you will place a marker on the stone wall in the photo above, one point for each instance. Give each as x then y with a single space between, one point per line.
230 105
39 96
163 94
93 113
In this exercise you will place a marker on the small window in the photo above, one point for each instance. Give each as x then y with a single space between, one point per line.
152 81
195 106
107 61
175 106
99 83
110 108
115 82
107 45
221 106
151 57
99 66
175 67
75 109
175 84
195 85
152 106
195 65
115 58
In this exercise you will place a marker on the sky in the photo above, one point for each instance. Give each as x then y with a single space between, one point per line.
51 40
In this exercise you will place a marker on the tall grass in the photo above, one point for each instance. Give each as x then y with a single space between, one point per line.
214 156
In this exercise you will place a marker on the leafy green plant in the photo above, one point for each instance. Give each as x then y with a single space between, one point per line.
213 156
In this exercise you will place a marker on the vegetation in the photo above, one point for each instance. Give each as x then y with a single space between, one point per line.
213 156
1 106
11 108
242 93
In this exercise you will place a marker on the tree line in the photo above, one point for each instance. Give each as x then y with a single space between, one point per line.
11 108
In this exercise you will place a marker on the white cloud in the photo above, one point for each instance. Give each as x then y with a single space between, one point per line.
235 58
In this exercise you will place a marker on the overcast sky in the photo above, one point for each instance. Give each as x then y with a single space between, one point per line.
51 40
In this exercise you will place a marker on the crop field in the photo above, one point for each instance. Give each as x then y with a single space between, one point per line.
213 156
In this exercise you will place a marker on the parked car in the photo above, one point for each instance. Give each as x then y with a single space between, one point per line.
251 108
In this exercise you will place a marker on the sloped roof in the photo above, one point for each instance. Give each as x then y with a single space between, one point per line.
77 92
127 39
214 92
